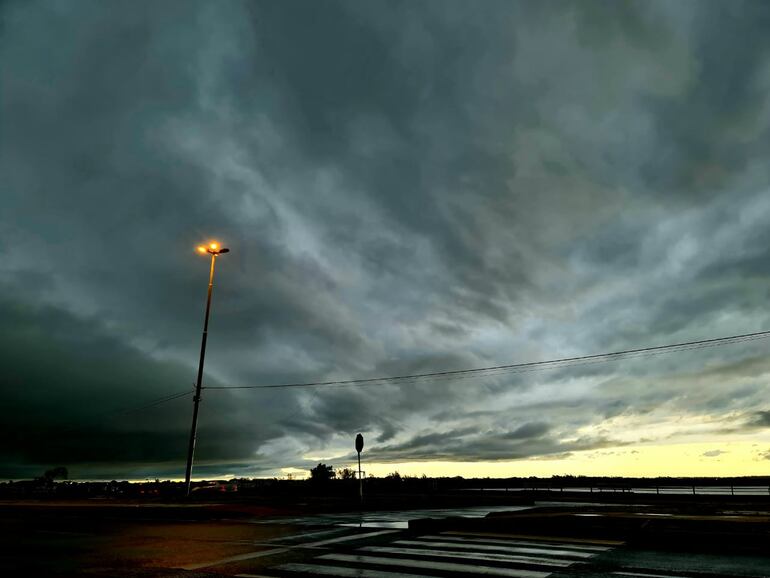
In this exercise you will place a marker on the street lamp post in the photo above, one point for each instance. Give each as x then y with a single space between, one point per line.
214 250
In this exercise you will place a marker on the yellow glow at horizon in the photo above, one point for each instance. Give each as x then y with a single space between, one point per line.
297 473
324 458
740 458
634 429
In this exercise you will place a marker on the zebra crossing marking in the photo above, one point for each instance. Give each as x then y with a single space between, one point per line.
586 542
349 538
642 575
461 538
346 571
515 548
507 558
483 557
431 565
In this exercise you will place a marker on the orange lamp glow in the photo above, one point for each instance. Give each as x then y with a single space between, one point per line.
214 246
201 249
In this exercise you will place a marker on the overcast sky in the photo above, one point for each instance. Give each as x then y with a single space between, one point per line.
405 187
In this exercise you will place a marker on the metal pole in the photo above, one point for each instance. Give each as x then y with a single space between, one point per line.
198 383
360 481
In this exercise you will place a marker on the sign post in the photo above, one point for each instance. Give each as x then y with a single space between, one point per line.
359 447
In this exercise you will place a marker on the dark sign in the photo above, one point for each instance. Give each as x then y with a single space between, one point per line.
359 443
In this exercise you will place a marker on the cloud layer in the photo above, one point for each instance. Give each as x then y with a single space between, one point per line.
405 188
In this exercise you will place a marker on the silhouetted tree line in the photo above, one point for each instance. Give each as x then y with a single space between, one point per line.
324 480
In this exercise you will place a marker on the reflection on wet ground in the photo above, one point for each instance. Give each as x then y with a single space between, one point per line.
399 519
383 519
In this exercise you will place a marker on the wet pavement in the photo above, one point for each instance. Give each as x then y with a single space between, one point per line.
398 519
378 545
391 553
353 544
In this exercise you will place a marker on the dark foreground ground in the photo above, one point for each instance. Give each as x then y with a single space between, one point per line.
530 535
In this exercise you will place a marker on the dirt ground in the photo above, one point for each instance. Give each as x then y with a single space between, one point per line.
122 539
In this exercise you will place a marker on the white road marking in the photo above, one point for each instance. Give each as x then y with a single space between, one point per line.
470 556
492 540
345 572
348 538
496 548
432 565
298 546
238 558
310 534
645 575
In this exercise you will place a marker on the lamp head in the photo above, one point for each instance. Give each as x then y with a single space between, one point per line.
213 248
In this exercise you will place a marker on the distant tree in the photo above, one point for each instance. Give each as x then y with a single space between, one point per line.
57 472
321 473
346 474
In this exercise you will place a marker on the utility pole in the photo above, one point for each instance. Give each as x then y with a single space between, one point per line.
214 250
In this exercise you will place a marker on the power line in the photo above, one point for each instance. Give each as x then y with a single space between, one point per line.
522 367
147 405
153 403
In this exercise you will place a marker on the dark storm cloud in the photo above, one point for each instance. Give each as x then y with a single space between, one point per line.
468 445
406 187
528 430
715 129
68 383
747 422
761 419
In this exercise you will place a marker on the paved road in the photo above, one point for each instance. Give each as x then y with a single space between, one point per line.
178 542
388 553
455 554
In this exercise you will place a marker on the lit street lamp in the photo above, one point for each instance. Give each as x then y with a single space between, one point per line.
215 251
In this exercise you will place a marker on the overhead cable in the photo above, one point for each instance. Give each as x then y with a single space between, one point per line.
520 367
